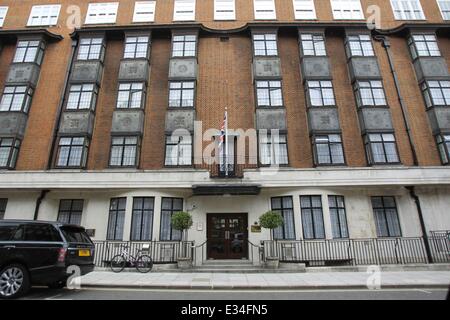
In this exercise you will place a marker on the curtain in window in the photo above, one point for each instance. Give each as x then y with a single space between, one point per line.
116 219
392 222
312 217
142 219
288 217
382 229
284 206
169 207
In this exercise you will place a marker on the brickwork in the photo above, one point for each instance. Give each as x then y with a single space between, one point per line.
225 79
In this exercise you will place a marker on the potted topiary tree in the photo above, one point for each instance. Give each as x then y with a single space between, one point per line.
271 220
182 221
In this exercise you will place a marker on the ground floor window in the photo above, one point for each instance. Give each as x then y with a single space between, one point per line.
142 219
3 203
386 217
116 218
338 216
312 217
9 149
70 211
285 207
169 206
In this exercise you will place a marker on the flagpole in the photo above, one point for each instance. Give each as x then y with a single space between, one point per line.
226 141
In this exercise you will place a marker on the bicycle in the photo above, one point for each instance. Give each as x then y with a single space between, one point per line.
142 262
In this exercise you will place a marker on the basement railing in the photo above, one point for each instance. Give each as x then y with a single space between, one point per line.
352 252
325 252
162 252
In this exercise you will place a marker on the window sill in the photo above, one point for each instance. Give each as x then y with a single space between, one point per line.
69 168
395 164
190 166
322 107
273 165
374 107
271 107
137 58
79 110
180 108
122 167
342 165
14 111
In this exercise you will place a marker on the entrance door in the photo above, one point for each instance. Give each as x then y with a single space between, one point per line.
227 236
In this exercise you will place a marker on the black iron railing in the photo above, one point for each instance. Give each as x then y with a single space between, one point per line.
376 251
160 251
440 246
326 252
231 167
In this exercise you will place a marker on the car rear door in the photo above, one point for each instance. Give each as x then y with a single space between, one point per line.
7 246
80 250
38 244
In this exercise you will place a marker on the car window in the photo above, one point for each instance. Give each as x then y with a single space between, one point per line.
40 232
6 232
75 235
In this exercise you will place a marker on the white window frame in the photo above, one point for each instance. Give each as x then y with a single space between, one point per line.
440 3
264 9
102 12
224 10
401 15
304 9
46 15
3 13
352 6
144 11
184 10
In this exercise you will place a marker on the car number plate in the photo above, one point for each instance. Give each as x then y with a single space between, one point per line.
84 253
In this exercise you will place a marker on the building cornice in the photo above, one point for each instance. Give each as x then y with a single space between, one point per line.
120 29
13 34
265 178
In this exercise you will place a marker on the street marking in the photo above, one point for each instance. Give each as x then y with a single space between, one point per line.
53 297
425 291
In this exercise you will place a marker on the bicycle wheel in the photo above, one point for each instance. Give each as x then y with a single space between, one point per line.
144 264
118 263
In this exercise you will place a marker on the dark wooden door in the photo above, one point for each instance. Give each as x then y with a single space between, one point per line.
227 236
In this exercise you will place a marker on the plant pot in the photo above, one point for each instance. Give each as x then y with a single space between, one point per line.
272 262
184 263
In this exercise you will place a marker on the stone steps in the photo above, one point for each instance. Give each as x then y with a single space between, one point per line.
237 266
228 266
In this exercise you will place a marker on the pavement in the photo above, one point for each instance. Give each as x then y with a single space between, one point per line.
274 281
223 296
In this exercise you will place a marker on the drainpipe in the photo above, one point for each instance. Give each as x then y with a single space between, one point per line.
38 203
61 104
387 46
412 193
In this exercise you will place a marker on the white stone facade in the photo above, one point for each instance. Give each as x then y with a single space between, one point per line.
357 186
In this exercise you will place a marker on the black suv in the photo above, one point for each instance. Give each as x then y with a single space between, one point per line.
39 253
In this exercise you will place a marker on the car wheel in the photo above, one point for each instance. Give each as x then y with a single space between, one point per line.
57 285
14 281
